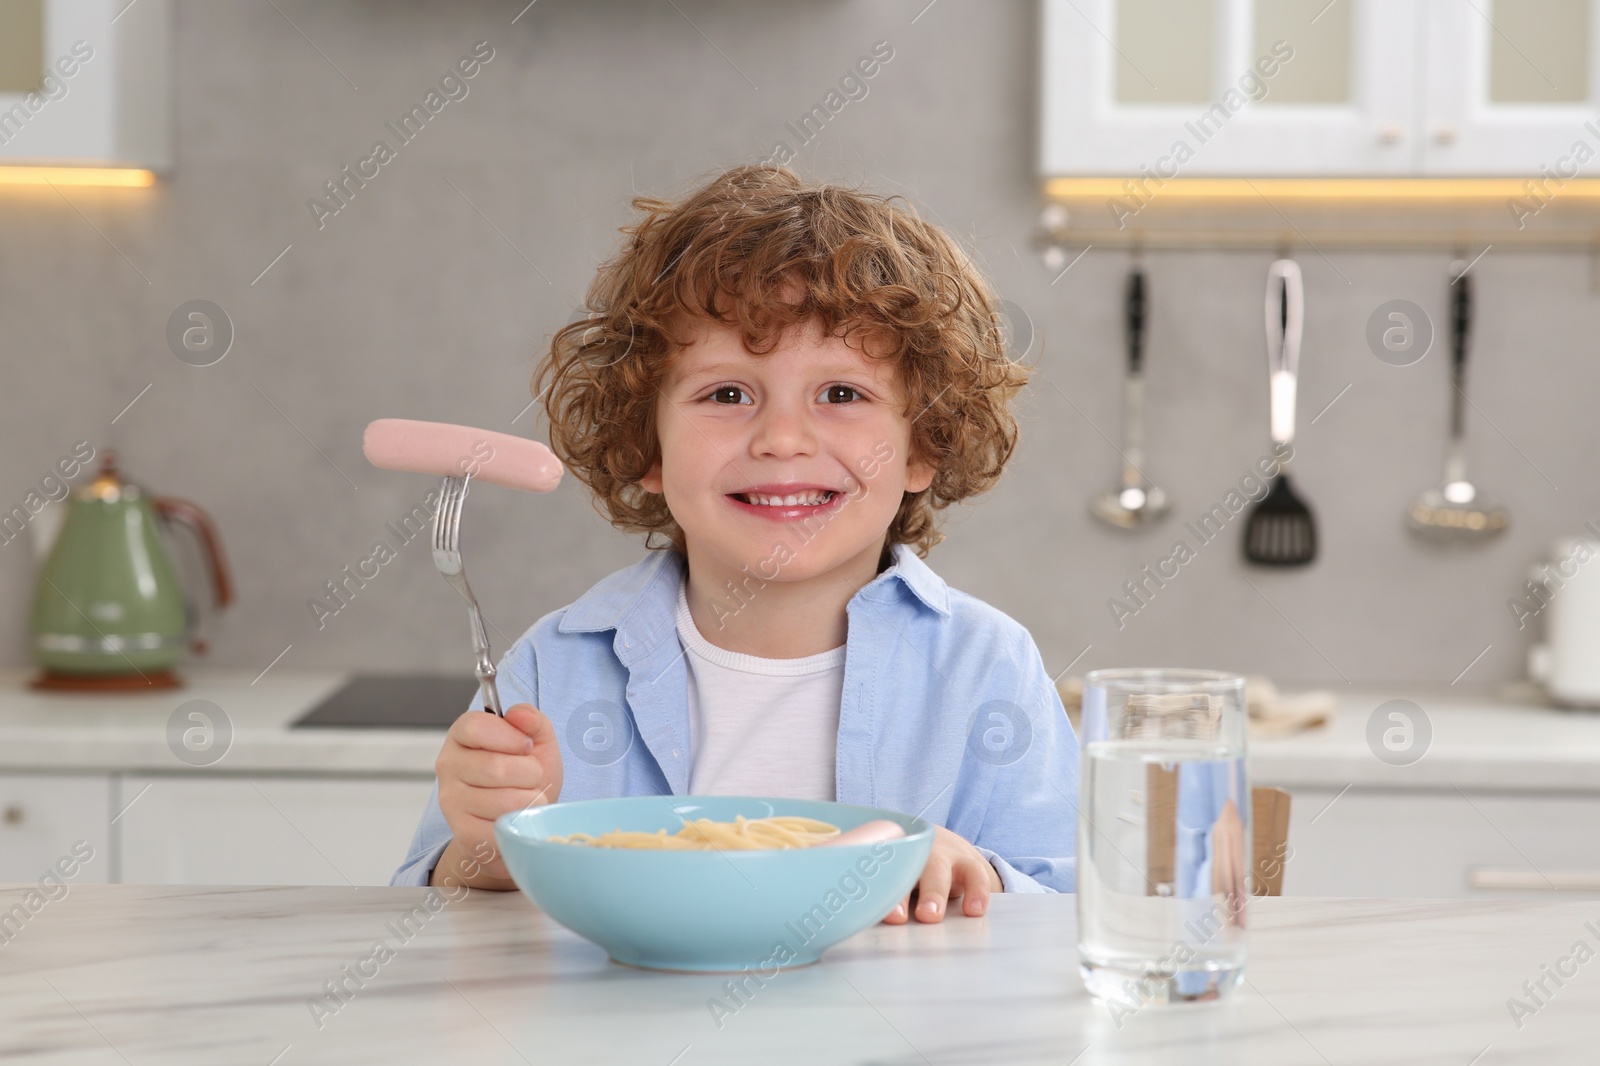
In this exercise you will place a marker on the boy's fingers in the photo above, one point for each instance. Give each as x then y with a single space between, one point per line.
543 745
532 723
489 732
901 912
487 804
488 769
933 890
975 889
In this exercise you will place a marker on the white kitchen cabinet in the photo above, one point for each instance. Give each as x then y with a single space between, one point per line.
86 83
1441 844
1513 95
44 817
263 830
1164 96
1157 89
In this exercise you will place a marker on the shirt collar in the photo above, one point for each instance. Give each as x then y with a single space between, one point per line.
915 575
655 580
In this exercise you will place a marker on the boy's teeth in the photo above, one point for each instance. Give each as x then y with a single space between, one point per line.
805 498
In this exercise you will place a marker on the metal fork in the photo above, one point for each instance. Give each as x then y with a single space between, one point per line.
447 560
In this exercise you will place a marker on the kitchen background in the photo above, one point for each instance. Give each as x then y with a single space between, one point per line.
433 292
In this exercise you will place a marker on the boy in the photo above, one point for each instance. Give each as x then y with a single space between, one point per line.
782 381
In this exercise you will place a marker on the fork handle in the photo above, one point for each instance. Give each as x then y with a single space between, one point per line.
491 693
484 667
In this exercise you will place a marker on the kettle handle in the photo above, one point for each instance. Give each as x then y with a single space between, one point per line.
186 513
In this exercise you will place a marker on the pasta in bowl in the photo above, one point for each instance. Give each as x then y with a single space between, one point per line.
702 834
713 883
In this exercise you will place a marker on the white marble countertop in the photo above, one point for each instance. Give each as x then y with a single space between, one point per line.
125 974
1480 740
56 731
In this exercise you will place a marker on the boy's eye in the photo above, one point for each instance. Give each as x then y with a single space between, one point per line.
733 394
722 394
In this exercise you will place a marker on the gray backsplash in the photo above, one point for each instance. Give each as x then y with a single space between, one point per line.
424 300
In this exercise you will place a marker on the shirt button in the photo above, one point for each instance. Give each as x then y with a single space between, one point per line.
674 754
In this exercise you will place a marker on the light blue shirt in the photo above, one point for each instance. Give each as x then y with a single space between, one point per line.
1203 789
947 713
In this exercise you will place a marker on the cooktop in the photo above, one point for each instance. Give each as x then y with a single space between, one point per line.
393 701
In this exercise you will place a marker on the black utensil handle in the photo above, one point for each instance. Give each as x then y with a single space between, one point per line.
1460 323
1135 314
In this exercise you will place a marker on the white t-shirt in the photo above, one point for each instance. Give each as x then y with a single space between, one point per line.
760 727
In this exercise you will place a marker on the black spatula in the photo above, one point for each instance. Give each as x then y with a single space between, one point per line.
1281 530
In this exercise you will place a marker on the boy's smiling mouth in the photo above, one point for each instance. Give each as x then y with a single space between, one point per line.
784 501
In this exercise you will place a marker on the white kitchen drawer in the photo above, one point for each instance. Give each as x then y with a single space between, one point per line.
184 829
1442 845
43 817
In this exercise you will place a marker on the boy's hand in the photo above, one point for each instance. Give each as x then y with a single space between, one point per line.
490 766
955 868
1228 860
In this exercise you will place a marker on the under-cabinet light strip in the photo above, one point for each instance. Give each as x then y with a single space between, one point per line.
115 177
1372 189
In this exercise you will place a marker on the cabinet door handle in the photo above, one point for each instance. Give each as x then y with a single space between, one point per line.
1550 880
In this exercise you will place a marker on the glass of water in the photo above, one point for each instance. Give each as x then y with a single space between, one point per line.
1163 836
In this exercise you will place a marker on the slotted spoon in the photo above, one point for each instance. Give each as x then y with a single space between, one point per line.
1281 530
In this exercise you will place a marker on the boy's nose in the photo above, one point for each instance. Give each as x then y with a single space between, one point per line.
782 429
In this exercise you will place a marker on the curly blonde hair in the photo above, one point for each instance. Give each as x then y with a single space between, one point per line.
732 251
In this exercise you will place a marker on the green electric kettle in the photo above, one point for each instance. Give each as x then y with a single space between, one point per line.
109 613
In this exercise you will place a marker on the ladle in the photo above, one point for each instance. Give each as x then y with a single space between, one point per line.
1136 502
1457 511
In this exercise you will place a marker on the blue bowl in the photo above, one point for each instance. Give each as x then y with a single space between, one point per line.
709 910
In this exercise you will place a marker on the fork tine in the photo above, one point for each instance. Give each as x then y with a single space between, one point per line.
449 528
439 515
452 517
453 531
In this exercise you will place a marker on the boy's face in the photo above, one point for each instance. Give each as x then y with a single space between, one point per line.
815 415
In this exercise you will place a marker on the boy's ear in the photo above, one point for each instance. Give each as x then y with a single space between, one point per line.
919 475
651 482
